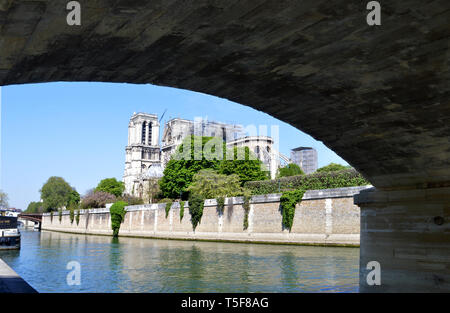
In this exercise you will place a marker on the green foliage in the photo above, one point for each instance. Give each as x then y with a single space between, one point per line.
291 169
60 215
184 164
117 211
220 204
57 193
112 186
209 184
345 178
72 215
242 162
332 167
196 204
77 217
180 170
181 210
165 200
246 206
51 216
168 206
131 200
288 201
34 207
74 198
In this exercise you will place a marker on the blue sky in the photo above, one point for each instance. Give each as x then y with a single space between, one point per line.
79 130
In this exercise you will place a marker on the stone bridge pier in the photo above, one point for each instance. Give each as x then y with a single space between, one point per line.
407 231
376 95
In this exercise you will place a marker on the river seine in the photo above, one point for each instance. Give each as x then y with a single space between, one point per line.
150 265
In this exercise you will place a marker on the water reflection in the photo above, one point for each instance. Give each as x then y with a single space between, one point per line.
147 265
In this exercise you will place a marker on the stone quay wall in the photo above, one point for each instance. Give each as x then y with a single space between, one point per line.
323 217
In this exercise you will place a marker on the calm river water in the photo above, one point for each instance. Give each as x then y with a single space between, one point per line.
148 265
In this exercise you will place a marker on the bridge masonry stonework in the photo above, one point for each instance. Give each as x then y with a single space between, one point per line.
378 96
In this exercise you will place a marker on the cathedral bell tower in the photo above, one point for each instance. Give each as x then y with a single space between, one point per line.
143 148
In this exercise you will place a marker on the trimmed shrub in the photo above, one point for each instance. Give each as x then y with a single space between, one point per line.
339 179
117 211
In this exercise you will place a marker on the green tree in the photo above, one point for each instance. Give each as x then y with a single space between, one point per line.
291 169
242 162
209 184
194 154
35 207
333 167
74 199
57 193
3 199
112 186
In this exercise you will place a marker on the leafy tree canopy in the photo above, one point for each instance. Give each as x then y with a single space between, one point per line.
112 186
200 153
35 207
244 164
291 169
209 184
57 193
332 167
97 199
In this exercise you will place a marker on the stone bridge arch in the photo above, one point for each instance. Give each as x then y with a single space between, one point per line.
378 96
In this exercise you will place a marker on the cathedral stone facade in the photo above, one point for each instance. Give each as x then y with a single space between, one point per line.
142 152
146 159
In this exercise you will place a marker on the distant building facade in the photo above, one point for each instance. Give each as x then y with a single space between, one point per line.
175 130
306 158
263 148
145 159
142 151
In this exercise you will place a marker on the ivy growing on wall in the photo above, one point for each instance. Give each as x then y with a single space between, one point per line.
77 218
117 211
246 206
60 215
196 204
181 210
220 204
51 217
72 216
168 206
288 201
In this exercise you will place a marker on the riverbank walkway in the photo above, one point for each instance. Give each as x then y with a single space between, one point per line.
11 282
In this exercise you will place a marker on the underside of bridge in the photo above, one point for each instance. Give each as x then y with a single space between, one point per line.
376 95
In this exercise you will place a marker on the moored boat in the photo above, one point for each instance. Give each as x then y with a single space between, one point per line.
9 233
